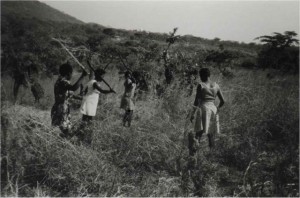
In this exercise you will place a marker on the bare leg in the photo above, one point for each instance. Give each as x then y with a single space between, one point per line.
199 135
192 144
130 117
127 117
211 141
16 90
85 130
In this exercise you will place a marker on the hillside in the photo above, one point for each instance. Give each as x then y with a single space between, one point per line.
34 9
256 154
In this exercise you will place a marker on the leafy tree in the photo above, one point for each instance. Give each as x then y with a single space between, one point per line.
222 59
279 51
279 40
109 32
94 40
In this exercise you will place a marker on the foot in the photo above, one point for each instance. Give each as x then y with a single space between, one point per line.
197 143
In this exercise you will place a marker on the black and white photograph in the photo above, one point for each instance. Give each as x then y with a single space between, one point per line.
149 98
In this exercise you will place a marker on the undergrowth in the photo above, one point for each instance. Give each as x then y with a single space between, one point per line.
255 155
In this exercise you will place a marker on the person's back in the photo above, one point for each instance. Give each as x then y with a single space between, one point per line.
208 92
129 88
207 112
90 88
60 93
91 98
89 104
127 102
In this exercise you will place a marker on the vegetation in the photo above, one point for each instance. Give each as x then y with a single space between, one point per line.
257 153
280 52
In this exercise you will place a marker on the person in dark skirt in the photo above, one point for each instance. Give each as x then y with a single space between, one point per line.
60 112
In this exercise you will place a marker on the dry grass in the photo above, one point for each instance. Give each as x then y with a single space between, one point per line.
151 157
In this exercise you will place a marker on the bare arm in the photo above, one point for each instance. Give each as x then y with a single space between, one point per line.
78 82
196 102
78 97
96 86
221 98
198 94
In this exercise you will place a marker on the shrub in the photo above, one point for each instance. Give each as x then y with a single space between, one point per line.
248 63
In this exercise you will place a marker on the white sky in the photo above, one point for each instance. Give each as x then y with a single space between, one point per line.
228 20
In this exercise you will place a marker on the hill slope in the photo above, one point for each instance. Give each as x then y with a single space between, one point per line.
35 9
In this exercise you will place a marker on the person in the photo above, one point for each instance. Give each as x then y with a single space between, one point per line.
21 77
127 100
37 90
60 112
90 102
207 113
166 56
169 74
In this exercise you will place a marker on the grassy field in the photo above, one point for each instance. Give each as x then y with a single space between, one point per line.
257 153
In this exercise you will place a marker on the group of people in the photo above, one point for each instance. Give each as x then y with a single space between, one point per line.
206 119
63 92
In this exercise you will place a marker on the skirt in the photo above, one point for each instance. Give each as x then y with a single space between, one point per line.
207 119
89 104
60 115
127 103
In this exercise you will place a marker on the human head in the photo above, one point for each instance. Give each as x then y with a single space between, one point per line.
91 75
66 70
128 74
204 74
99 73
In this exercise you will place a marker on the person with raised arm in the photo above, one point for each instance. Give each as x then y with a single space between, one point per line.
60 112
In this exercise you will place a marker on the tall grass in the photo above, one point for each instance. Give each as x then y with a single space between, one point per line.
259 124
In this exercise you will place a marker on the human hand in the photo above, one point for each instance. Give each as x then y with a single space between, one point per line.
192 118
84 73
111 90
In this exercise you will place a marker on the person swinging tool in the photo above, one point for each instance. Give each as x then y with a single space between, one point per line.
127 102
60 112
90 102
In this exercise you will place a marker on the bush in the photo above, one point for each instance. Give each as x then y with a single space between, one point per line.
109 32
248 63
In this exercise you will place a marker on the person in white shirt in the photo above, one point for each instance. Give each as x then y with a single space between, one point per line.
90 100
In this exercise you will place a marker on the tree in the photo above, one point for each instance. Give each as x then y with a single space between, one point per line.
279 40
109 31
279 51
222 59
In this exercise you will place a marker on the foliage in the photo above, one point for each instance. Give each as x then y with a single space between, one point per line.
222 59
257 153
151 158
109 31
248 63
280 40
279 52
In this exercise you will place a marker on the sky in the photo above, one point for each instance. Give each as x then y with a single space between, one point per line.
228 20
